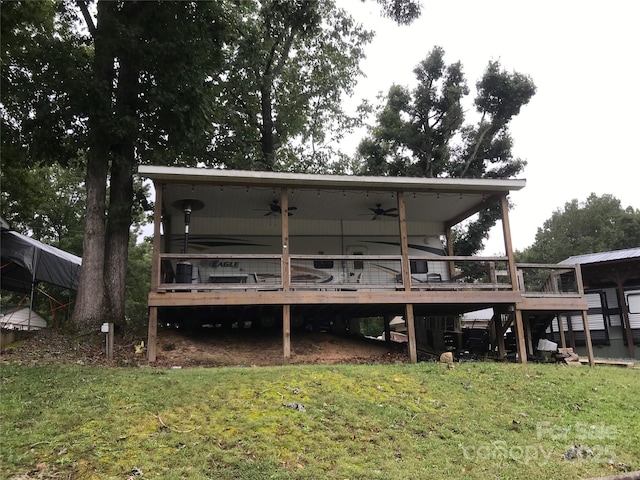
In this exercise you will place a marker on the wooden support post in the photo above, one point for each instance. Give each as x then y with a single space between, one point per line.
156 270
157 222
522 348
411 332
527 332
286 275
508 245
284 219
387 329
563 340
585 318
624 310
587 337
406 276
572 337
500 328
286 333
152 339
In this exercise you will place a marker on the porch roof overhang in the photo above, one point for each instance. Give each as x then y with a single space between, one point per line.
248 194
347 182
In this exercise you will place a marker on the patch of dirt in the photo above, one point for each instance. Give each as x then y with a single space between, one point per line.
208 348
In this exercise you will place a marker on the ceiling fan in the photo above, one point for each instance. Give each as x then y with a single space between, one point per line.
274 207
381 212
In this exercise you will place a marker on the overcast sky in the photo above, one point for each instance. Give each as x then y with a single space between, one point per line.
580 133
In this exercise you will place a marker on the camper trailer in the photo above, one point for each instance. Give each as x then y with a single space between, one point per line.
371 261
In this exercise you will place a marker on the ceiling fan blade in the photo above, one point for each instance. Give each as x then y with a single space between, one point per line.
293 208
390 214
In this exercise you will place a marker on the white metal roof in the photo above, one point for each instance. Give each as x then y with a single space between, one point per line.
245 177
599 257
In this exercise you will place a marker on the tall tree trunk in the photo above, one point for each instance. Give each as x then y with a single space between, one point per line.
121 191
89 309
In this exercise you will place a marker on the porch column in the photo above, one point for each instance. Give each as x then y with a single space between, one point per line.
522 348
449 239
508 245
152 338
406 277
285 274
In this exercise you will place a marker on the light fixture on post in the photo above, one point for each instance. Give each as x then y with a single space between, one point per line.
187 206
184 269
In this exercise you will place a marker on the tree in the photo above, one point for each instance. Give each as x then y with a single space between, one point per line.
284 81
598 224
46 203
150 88
160 82
423 132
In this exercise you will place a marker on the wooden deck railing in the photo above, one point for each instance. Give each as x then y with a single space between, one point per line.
208 272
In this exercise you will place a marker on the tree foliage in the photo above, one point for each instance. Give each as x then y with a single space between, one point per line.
422 132
598 224
112 84
285 76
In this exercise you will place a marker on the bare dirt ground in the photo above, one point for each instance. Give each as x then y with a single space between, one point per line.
206 348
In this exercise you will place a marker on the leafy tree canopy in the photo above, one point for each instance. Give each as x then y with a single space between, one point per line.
251 84
283 83
422 132
598 224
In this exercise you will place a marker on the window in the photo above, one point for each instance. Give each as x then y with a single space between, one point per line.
419 266
358 264
323 264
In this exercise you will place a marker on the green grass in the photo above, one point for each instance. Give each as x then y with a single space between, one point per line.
479 420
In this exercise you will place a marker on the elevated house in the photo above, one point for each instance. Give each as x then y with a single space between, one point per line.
296 251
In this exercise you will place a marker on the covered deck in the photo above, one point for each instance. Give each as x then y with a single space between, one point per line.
348 247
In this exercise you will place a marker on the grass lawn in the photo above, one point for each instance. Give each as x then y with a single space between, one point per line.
477 420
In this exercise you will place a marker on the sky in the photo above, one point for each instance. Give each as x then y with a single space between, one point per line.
580 134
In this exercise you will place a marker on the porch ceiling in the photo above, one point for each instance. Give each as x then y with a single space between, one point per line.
227 194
